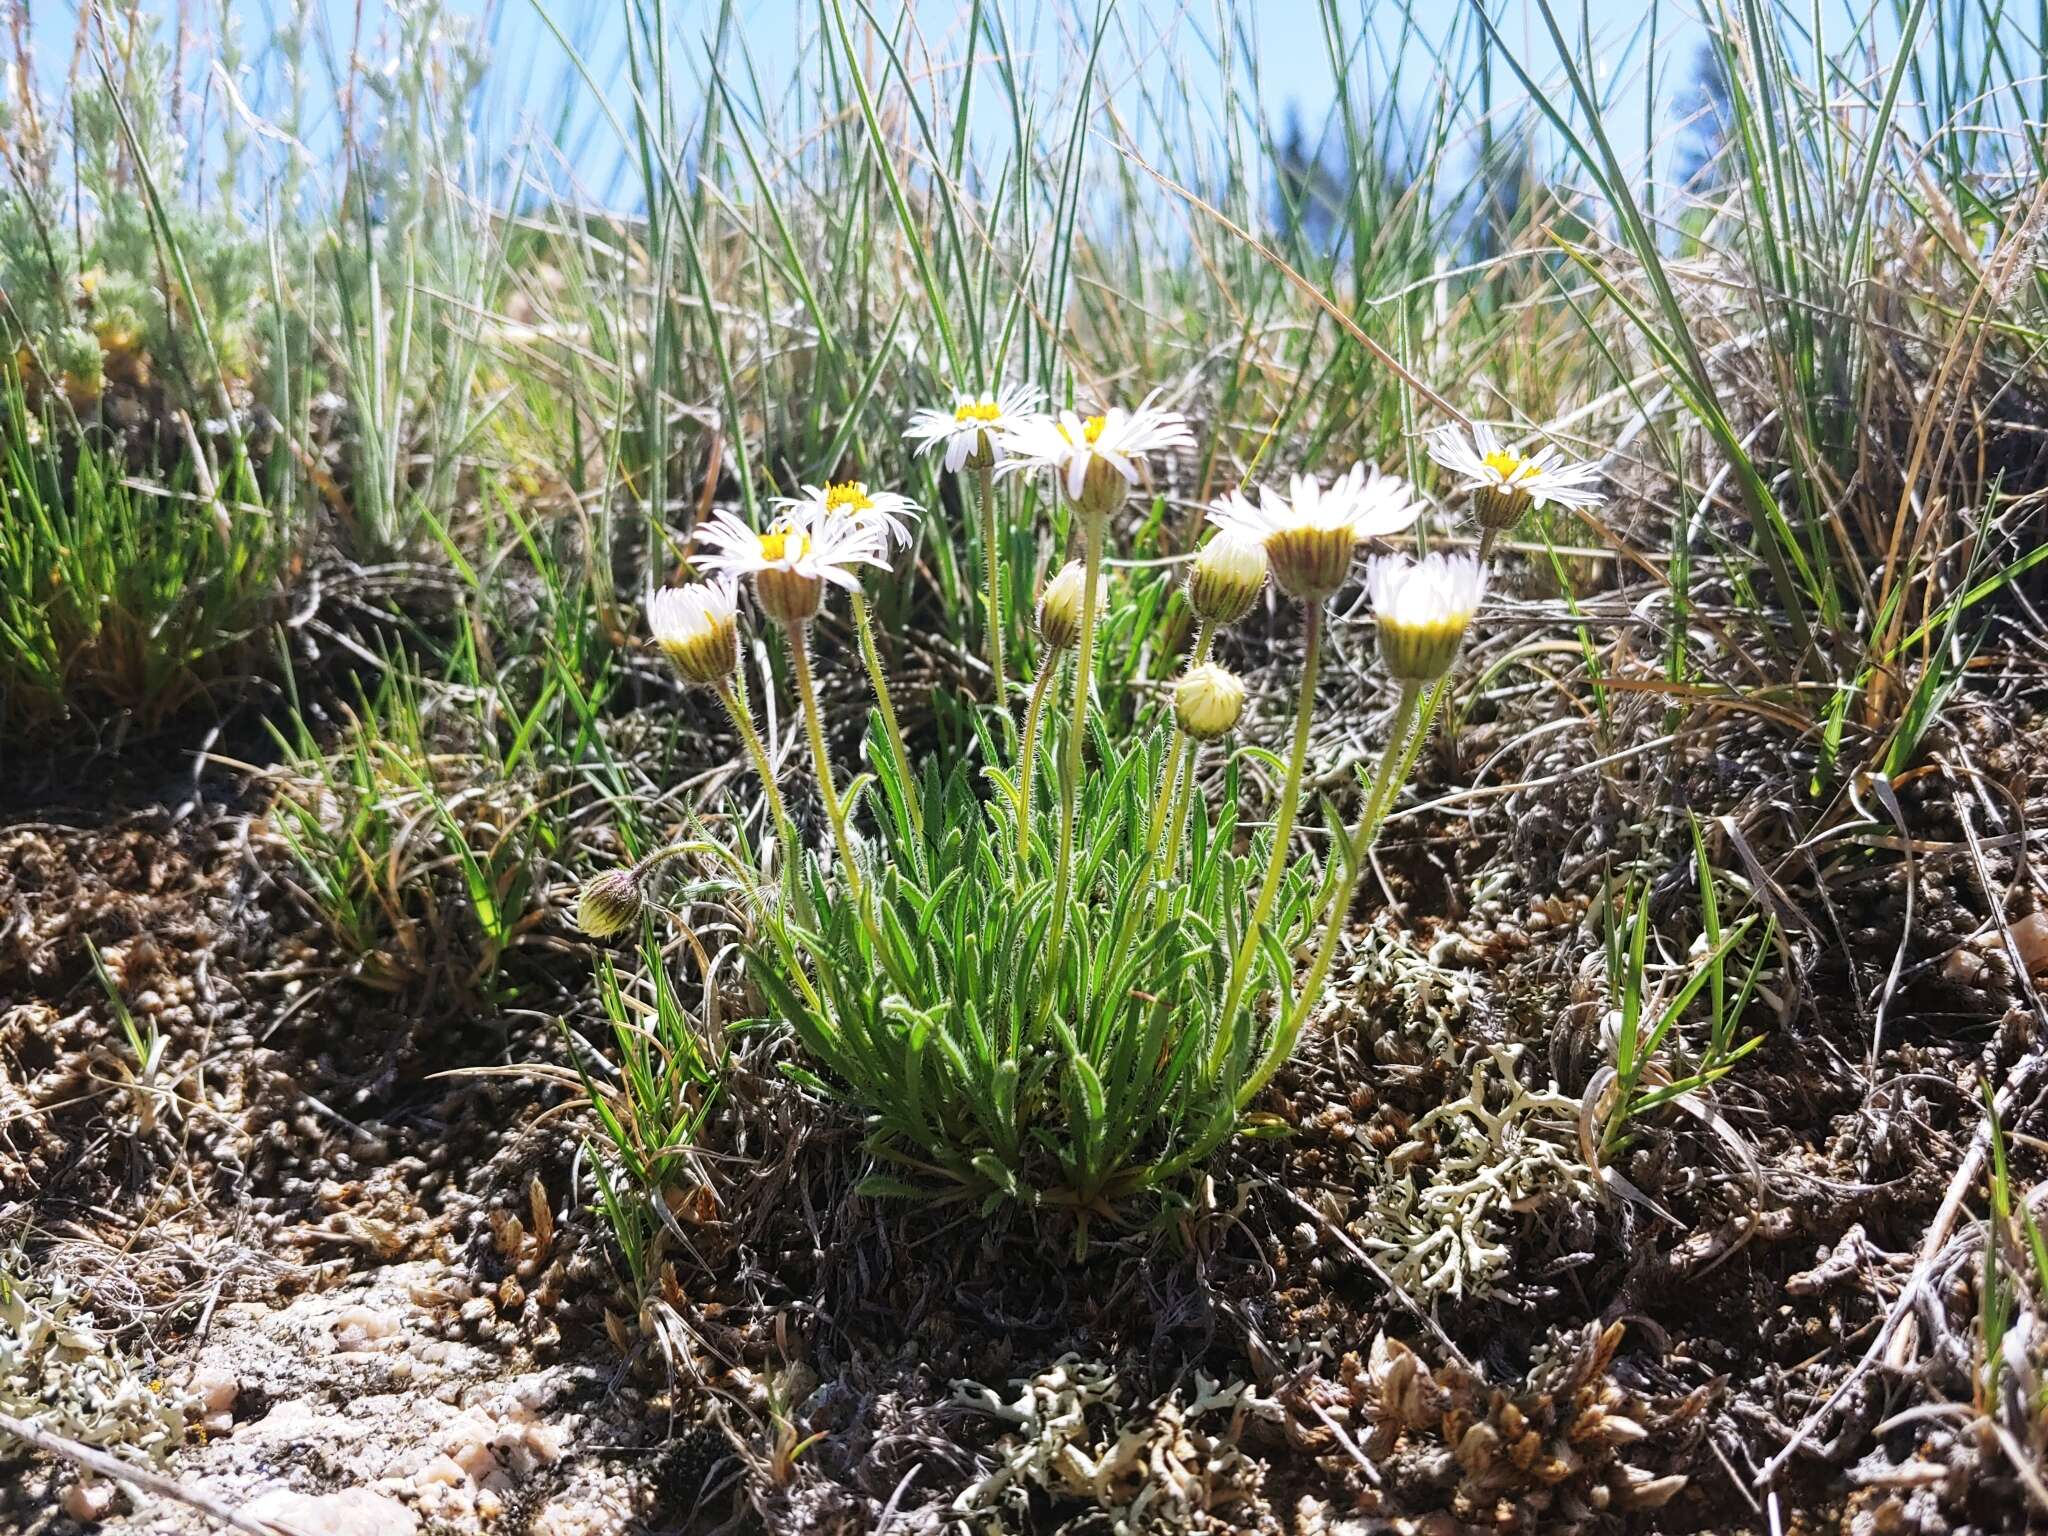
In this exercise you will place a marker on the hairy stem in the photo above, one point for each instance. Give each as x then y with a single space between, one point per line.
743 720
992 555
883 702
807 691
1169 765
1387 780
1070 777
1283 835
1027 765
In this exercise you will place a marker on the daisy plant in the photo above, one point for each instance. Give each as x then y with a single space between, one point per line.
1065 999
804 551
1504 483
1310 537
972 436
886 516
1096 462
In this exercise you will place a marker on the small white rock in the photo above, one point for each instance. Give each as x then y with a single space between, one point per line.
356 1512
358 1328
215 1390
88 1500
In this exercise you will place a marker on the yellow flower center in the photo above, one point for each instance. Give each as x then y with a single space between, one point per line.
847 496
1092 427
1505 464
984 410
779 544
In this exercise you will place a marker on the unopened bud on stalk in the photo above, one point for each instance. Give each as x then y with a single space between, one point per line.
1227 577
1422 611
611 903
1207 701
1059 607
697 628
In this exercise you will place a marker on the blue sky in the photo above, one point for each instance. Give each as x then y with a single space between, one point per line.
1170 51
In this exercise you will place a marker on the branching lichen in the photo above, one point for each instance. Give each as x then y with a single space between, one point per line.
1439 1216
1169 1467
61 1372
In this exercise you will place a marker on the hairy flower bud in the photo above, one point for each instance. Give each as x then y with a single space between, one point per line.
1227 577
611 903
697 628
1059 607
1207 701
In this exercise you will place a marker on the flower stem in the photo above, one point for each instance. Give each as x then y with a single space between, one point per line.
800 655
1070 777
743 720
1387 780
1027 764
1177 818
873 658
985 480
1486 538
1169 765
1283 836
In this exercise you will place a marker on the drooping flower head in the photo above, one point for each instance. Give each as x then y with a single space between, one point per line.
1207 701
853 500
697 627
611 903
973 432
1227 576
1422 609
793 561
1506 482
1311 532
1097 459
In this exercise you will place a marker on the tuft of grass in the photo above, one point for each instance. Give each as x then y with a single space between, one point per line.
122 601
1648 1068
649 1095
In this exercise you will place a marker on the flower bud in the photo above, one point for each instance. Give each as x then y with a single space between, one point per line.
1059 607
1227 577
1422 611
1207 701
610 904
697 628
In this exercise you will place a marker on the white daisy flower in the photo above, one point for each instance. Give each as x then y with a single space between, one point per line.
697 627
793 561
973 432
1310 533
1100 458
1506 482
852 499
1422 609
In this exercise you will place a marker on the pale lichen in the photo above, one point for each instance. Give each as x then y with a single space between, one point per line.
1440 1214
61 1372
1167 1467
